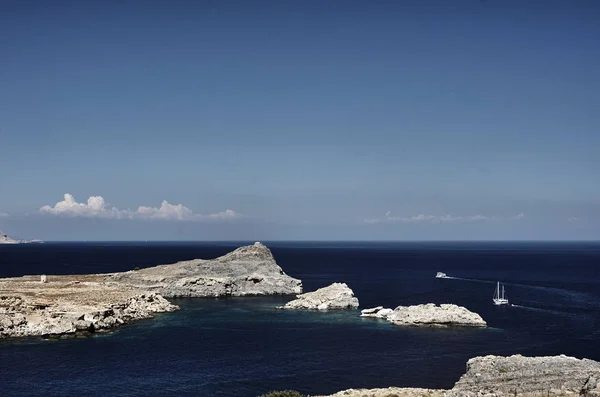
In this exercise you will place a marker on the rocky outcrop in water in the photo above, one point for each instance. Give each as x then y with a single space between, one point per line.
495 376
430 315
49 305
334 297
249 270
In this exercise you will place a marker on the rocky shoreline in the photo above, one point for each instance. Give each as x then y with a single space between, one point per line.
497 376
55 306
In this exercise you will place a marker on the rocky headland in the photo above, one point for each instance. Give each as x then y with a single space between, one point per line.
70 305
4 239
249 270
337 296
496 376
428 315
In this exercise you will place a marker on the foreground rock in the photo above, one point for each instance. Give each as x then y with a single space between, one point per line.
249 270
528 377
334 297
67 305
430 315
389 392
495 376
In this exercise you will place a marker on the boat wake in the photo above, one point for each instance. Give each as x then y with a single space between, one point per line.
538 309
469 279
579 300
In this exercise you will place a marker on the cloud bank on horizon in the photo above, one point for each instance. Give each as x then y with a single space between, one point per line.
422 218
96 207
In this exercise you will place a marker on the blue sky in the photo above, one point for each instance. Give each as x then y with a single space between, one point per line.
418 120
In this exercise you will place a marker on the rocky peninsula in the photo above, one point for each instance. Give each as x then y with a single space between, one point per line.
496 376
337 296
249 270
70 305
4 239
428 315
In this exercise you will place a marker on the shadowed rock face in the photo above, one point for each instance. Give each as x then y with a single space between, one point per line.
66 305
429 315
495 376
249 270
334 297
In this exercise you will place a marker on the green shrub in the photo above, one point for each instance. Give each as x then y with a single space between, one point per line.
283 393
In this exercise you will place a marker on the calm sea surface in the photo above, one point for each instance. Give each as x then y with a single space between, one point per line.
242 347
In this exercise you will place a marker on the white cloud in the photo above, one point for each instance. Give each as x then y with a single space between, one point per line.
422 218
518 216
4 215
96 207
572 219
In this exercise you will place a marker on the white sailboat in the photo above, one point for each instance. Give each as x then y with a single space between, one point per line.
500 298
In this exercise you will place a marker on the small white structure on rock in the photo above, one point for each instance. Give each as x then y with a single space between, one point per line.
43 278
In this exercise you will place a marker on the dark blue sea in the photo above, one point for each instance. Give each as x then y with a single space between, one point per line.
242 347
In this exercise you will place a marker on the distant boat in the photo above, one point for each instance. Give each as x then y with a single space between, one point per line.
441 275
500 296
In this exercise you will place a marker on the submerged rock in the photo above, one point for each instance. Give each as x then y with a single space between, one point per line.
334 297
445 315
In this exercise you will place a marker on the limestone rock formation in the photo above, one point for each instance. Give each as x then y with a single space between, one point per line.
334 297
376 312
445 315
48 305
389 392
63 306
495 376
249 270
